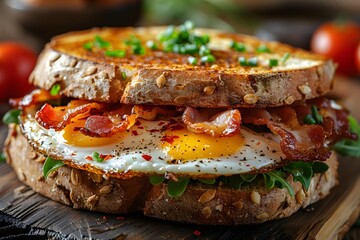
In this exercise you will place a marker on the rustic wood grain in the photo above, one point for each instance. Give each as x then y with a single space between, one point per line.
326 219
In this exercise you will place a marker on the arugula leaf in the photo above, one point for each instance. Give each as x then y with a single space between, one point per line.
301 171
277 178
234 181
319 167
11 116
176 189
208 181
248 177
51 165
156 179
350 147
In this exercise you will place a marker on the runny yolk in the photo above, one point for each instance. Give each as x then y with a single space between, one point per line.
76 138
184 145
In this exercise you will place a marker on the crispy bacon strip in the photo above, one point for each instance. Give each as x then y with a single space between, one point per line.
226 123
57 118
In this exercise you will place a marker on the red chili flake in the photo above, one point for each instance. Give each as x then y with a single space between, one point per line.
169 139
154 130
247 165
197 233
89 158
146 157
120 218
135 133
161 123
258 143
140 127
106 156
177 127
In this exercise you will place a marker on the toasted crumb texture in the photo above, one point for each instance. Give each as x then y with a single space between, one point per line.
200 203
168 79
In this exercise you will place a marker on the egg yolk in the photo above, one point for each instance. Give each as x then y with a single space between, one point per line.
76 138
184 145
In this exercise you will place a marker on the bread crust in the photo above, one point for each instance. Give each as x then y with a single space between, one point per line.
91 75
200 203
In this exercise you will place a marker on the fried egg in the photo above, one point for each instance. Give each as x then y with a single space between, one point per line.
157 147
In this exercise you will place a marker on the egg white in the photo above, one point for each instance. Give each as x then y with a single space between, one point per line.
128 152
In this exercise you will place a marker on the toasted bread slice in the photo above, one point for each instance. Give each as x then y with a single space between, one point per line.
162 78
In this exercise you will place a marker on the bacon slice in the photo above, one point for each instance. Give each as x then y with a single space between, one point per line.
226 123
57 118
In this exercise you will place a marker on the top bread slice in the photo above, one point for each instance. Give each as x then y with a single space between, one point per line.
163 78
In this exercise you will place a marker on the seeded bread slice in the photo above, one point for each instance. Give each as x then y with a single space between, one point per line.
201 204
168 79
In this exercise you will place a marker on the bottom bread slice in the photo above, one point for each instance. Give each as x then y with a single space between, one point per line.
200 203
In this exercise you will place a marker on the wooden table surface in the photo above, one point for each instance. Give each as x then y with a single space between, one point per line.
329 218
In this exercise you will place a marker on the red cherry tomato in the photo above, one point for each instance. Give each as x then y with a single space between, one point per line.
338 40
16 63
358 58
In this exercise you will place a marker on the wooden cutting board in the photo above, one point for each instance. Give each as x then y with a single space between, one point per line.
329 218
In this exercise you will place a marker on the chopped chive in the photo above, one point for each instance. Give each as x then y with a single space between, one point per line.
240 47
88 46
96 157
285 57
55 89
208 59
123 75
152 45
252 62
263 49
101 43
192 60
309 119
138 50
273 62
318 118
115 53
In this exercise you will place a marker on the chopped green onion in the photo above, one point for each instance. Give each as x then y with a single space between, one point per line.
123 75
139 50
285 57
309 119
263 49
318 118
273 62
208 59
243 61
189 25
152 45
88 46
240 47
11 116
192 60
252 62
55 89
115 53
204 51
96 157
101 43
51 165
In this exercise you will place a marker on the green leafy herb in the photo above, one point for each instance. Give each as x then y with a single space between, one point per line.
314 117
209 181
176 189
115 53
11 116
51 165
135 45
319 167
123 75
234 181
156 179
277 178
96 157
192 60
88 46
2 157
248 177
309 119
204 51
240 47
55 89
273 62
100 42
263 49
301 171
284 58
350 147
251 62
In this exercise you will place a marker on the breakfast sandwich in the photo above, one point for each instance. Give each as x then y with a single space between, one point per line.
183 124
